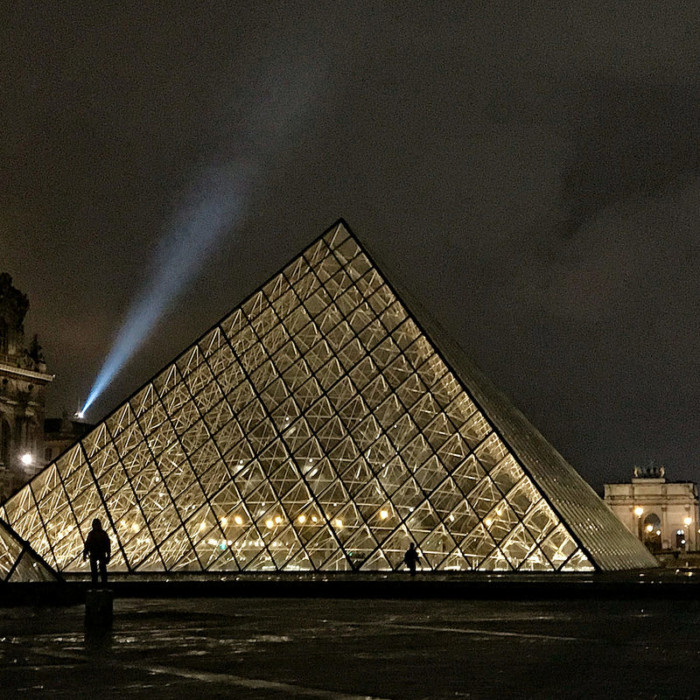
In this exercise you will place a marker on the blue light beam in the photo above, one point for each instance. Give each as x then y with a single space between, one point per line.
216 207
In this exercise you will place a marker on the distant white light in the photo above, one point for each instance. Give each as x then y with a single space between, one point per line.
27 459
79 415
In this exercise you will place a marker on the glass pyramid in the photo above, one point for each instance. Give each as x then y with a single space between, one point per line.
319 427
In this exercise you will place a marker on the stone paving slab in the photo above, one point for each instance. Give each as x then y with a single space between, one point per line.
347 649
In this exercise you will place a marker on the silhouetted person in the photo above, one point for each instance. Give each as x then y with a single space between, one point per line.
99 549
411 558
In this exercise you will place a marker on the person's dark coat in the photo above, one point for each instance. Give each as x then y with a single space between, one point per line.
97 544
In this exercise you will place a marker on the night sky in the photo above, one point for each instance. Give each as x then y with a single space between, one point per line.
531 172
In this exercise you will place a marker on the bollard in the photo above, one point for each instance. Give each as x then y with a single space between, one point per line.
98 607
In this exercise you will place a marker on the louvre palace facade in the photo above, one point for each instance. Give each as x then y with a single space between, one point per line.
323 425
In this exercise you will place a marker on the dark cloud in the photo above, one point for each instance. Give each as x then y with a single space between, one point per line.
530 170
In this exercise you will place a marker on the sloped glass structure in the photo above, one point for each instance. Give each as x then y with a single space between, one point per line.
18 562
321 426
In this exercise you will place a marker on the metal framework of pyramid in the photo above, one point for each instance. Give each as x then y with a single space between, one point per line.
321 426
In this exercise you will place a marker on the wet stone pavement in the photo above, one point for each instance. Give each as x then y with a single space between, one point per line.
299 648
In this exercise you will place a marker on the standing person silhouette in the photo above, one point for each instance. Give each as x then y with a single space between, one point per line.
99 549
411 558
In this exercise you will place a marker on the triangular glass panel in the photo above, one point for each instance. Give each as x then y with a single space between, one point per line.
578 562
496 561
455 561
377 562
299 562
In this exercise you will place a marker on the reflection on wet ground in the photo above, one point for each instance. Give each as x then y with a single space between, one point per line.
288 648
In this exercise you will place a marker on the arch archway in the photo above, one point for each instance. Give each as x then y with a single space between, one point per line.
651 532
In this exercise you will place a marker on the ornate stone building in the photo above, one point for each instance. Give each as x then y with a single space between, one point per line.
23 381
662 514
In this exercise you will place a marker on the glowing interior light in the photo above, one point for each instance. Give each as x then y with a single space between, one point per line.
638 511
27 459
488 522
383 514
238 520
224 521
338 522
212 541
314 519
278 519
301 519
202 525
687 521
650 528
270 523
134 527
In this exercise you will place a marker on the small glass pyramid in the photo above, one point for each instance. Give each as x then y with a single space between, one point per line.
18 562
